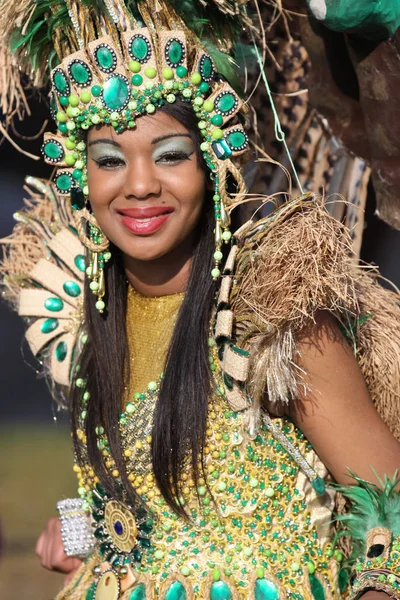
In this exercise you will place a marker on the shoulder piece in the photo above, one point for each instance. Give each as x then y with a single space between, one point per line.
42 277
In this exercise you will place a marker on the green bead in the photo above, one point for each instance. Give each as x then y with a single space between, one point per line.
61 117
85 97
49 325
168 73
72 289
226 102
77 174
138 593
80 73
217 134
64 100
135 66
176 591
216 574
100 305
60 82
181 72
70 145
175 53
185 571
236 139
137 80
150 72
61 351
139 48
69 160
204 87
116 92
311 567
53 151
96 90
104 58
196 78
265 590
73 100
220 591
54 304
62 127
208 105
80 262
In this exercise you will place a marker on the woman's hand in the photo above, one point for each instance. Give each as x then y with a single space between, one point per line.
50 550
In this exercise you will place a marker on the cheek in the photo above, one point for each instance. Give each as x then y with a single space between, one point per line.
104 186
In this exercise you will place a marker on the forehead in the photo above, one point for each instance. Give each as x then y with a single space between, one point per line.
148 127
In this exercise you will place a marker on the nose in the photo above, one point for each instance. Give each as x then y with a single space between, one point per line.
141 180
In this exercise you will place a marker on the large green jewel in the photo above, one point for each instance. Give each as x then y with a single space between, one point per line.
72 289
265 590
226 103
105 58
139 593
54 304
176 591
49 325
220 591
206 68
80 73
139 48
60 82
53 151
61 351
77 199
64 182
116 92
237 140
80 262
221 149
174 52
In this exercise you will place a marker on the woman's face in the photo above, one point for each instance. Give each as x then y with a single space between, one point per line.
146 188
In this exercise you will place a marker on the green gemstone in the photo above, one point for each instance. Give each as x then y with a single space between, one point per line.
139 593
175 53
72 289
139 48
49 325
80 73
53 105
61 83
54 304
176 591
226 102
319 486
206 67
220 591
265 590
116 93
236 139
53 150
80 262
104 57
316 588
77 199
64 182
61 351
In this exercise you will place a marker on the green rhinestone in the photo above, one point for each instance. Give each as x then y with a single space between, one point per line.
54 304
137 80
319 486
80 262
116 93
61 83
72 289
64 182
265 590
206 67
80 73
49 325
61 351
226 102
77 199
176 591
104 57
53 150
220 591
175 53
236 139
139 48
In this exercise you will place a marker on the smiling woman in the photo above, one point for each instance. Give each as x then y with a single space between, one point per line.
218 383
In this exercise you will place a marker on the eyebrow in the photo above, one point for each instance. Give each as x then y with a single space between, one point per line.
155 141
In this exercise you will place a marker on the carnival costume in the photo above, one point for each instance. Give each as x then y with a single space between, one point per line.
260 517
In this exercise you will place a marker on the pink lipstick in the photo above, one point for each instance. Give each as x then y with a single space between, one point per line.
145 220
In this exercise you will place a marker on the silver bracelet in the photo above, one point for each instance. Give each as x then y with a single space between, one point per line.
76 530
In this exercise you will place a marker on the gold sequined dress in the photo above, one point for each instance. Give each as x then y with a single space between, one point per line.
257 529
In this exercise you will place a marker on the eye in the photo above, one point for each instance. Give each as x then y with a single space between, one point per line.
109 162
174 156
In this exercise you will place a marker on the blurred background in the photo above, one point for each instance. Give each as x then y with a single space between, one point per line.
35 449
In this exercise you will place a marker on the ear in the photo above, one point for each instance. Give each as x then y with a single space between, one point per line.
209 182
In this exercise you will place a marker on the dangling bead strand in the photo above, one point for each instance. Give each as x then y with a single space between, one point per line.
95 270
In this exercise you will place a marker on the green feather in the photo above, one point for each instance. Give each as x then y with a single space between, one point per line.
371 506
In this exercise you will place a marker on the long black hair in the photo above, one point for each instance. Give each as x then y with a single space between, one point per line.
179 420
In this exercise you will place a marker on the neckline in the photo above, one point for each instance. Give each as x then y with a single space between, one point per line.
164 298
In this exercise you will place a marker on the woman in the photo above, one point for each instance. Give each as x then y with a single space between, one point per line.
194 490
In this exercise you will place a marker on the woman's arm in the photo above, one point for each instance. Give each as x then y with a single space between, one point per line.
338 416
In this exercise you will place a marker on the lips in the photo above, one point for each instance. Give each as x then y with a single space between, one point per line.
145 220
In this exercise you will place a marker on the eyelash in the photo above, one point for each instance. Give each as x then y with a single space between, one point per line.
112 162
